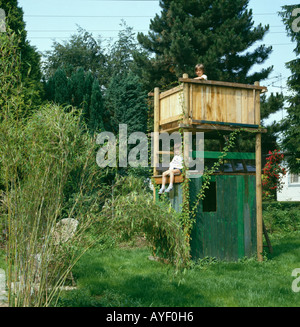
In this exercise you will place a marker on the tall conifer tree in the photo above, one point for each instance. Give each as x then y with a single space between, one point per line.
217 33
30 58
291 125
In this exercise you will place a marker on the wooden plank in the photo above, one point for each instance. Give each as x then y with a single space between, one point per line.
177 179
229 155
257 105
226 84
209 95
244 116
251 108
171 119
171 91
203 102
259 198
240 215
213 127
238 99
234 174
186 101
191 101
252 204
176 103
225 124
249 216
164 106
231 105
156 129
218 107
197 101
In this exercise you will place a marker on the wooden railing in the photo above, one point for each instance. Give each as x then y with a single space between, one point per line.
210 102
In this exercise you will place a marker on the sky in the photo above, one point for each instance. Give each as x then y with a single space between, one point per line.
56 19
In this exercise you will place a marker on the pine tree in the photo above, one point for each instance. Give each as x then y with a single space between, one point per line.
81 51
216 33
30 58
96 111
61 91
126 103
291 131
77 87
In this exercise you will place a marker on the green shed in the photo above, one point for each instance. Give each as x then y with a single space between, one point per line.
225 226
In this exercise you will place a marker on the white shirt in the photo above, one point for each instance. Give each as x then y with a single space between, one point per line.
176 163
202 77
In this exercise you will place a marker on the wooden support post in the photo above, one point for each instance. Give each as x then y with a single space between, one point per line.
256 99
186 101
156 134
259 221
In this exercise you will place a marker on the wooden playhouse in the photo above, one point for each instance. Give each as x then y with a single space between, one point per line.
229 222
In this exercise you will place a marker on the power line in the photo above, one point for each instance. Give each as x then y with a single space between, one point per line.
85 16
115 37
92 16
70 31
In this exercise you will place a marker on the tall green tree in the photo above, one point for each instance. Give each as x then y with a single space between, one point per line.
82 50
126 103
125 98
217 33
97 115
30 58
80 90
291 125
270 105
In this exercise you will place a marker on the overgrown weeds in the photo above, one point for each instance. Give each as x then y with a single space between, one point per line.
131 210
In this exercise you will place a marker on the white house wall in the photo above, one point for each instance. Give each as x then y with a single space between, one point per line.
290 191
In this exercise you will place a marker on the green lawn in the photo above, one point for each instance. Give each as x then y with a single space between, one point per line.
126 277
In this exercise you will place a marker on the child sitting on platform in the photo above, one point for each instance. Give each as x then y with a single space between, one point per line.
199 69
174 168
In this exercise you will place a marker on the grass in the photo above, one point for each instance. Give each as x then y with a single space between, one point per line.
125 277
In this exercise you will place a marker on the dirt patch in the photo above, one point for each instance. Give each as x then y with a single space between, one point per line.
136 242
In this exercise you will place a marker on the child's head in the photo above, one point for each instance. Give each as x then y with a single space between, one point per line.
199 69
177 149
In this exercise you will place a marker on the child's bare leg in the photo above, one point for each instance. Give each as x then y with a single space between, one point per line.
164 177
164 180
172 173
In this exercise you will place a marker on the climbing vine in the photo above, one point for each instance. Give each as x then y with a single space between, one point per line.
188 216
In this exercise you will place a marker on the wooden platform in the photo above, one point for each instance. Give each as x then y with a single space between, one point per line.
177 179
210 102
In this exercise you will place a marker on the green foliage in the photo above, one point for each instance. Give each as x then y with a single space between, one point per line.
10 74
97 115
30 66
272 175
80 51
81 90
291 133
216 33
132 210
49 173
104 85
121 54
126 103
281 218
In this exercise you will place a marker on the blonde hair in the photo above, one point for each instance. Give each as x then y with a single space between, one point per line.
199 67
177 146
